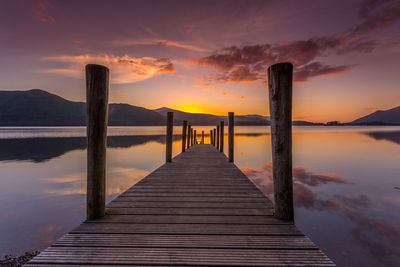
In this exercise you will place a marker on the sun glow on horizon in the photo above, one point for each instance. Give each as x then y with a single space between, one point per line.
195 108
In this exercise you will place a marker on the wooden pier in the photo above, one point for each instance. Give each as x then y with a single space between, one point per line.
199 210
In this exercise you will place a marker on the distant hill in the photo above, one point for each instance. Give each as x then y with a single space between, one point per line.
381 117
209 119
39 108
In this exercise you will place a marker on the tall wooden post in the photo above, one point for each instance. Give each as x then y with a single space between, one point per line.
221 142
280 105
168 138
189 136
202 136
217 136
231 134
96 127
211 136
214 130
194 137
184 129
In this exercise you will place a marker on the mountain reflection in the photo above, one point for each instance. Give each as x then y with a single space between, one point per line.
375 235
388 136
43 149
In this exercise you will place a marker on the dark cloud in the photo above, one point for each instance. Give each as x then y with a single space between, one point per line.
248 63
313 69
231 57
40 11
240 74
376 14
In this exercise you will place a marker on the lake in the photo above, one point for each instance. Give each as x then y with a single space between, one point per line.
346 183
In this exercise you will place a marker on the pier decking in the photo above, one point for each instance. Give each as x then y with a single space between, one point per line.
199 210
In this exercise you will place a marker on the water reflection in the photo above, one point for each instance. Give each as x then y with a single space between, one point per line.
43 149
345 181
378 237
388 136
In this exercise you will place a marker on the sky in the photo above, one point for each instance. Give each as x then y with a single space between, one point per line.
209 56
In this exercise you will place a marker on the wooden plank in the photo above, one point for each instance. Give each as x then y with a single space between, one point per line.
189 241
190 219
187 256
193 194
190 189
128 202
189 211
201 229
200 199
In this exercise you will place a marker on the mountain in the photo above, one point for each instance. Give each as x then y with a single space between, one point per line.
39 108
209 119
128 115
381 117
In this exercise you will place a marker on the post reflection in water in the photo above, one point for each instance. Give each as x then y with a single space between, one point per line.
344 184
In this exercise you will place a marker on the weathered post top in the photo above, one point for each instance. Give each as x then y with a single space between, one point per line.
231 134
168 137
280 102
96 127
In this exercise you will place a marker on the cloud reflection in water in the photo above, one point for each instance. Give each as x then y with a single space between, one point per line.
374 235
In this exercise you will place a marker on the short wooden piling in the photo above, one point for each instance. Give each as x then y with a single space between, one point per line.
231 134
211 136
184 129
97 118
214 130
168 138
221 142
202 136
194 137
217 137
280 102
189 136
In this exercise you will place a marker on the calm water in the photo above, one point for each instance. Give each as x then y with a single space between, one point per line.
346 183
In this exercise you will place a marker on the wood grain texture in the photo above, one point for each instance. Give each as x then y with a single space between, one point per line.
198 210
96 126
280 102
231 135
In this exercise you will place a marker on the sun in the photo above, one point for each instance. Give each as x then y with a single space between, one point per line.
193 108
